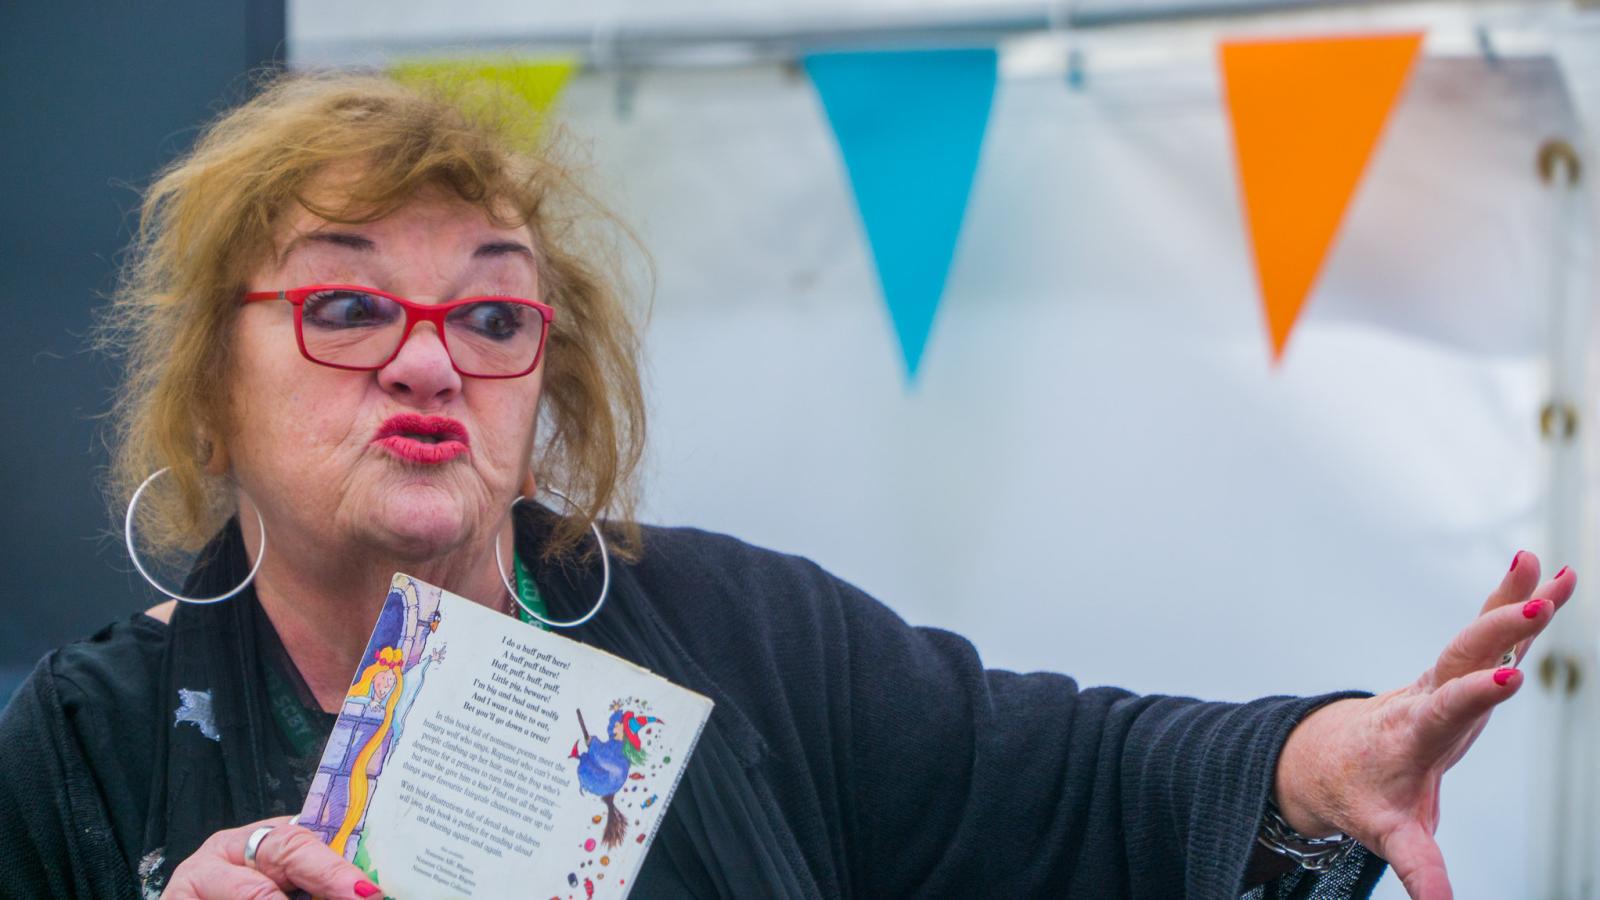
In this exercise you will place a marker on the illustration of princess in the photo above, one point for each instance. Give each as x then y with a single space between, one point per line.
383 684
373 717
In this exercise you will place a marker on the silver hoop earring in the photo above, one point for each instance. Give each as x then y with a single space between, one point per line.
605 573
133 555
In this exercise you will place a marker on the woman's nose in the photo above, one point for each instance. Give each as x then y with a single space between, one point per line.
421 372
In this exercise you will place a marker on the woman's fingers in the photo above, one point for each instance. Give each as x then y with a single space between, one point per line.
1414 855
287 858
292 856
235 883
1486 638
1558 590
1505 624
1518 583
1455 709
1521 579
211 873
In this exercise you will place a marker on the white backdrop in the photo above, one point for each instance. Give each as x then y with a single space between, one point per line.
1098 471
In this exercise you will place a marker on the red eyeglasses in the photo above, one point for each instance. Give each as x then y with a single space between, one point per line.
352 327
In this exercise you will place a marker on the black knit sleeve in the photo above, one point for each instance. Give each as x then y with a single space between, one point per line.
55 835
970 781
74 784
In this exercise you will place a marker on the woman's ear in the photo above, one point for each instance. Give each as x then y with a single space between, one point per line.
530 485
214 455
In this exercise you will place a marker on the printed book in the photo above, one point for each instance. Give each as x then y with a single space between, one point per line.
478 756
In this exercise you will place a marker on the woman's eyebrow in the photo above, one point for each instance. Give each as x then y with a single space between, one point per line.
487 250
500 248
336 238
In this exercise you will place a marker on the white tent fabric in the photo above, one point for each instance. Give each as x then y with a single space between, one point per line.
1099 472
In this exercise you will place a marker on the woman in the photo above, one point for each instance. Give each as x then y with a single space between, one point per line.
313 361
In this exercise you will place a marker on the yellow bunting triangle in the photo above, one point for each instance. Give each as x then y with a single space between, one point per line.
1306 115
478 82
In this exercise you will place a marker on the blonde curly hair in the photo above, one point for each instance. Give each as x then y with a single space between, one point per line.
211 217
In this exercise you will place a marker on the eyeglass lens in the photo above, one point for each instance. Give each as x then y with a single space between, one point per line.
362 330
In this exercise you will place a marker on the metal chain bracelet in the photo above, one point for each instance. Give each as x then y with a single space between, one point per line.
1312 854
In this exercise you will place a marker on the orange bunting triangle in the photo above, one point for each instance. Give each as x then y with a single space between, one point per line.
1306 115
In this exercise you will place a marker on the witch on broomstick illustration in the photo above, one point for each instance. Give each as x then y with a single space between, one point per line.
604 765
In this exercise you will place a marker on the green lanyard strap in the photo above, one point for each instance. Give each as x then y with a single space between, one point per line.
299 727
528 590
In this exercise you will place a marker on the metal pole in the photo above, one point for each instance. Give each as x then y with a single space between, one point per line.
1564 663
757 40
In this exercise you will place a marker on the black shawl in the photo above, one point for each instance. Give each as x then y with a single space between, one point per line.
848 754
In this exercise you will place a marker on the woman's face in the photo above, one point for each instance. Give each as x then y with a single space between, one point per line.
321 452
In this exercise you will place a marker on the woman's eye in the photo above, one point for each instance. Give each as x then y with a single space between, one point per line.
347 309
501 321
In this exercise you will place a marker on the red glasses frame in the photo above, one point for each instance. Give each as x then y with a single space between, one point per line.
433 313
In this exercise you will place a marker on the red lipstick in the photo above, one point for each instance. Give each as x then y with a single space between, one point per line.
428 440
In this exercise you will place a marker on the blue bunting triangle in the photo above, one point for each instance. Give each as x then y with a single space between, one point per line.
910 127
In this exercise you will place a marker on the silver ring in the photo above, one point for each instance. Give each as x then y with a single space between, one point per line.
1509 658
253 843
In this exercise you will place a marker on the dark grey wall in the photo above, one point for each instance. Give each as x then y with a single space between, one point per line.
94 98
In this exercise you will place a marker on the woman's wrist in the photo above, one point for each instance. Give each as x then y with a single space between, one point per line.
1306 770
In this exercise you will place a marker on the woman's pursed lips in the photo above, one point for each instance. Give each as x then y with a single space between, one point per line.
417 438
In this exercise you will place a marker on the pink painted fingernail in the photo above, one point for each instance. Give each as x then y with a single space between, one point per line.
1562 572
1514 557
367 888
1501 676
1530 610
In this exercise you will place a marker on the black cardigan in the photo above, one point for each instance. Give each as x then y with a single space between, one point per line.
865 757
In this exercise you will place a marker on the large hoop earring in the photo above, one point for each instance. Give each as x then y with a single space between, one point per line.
605 573
133 555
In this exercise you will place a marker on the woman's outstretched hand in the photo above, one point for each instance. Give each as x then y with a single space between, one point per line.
1371 767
